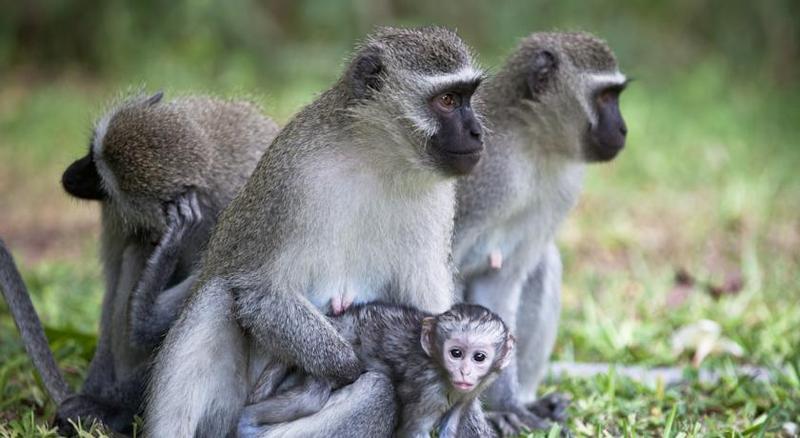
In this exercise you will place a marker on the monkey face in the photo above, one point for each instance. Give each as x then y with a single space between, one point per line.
467 360
82 180
606 136
457 145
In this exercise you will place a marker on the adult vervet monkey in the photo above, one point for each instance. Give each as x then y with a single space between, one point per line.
353 202
552 108
161 171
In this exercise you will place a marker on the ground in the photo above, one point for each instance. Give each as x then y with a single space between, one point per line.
696 220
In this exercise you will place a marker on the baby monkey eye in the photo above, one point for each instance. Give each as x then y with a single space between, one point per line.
456 353
479 357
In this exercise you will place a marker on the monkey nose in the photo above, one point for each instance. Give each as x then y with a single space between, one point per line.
475 130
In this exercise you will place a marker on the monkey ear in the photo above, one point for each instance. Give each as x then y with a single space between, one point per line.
507 352
426 338
366 74
154 99
542 69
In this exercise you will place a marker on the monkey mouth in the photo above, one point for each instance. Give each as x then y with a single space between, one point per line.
463 386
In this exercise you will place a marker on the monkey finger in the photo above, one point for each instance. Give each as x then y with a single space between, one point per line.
172 213
197 213
185 206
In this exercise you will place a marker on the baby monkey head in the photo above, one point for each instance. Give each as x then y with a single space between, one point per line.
470 343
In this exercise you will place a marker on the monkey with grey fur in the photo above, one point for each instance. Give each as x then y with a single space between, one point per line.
353 202
438 364
552 108
162 172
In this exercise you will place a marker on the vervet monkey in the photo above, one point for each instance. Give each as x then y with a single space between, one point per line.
551 108
161 171
355 198
439 365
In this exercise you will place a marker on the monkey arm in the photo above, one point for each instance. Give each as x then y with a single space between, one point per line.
152 309
30 327
288 325
473 422
153 325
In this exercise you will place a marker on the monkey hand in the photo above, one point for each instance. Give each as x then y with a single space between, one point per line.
346 367
183 217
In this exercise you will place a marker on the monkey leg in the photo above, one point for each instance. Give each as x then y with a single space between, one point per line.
537 327
302 400
501 291
365 408
199 379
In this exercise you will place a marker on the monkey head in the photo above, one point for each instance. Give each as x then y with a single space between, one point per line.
470 343
566 88
414 88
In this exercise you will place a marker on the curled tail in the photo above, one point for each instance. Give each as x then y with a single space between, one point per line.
30 327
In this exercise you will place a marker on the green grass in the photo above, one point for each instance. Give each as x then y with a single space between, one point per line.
707 184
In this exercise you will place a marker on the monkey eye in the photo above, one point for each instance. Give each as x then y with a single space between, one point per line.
609 94
479 357
606 97
448 102
456 353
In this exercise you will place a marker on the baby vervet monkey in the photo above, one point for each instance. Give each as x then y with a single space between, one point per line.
439 364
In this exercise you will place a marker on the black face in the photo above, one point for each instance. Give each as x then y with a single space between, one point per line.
606 138
458 144
81 179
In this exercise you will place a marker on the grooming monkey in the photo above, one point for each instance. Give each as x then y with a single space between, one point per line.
552 108
162 172
439 365
354 199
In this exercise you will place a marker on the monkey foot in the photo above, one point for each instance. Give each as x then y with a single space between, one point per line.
552 406
513 421
86 410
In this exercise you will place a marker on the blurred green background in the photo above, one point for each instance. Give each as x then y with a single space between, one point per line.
699 218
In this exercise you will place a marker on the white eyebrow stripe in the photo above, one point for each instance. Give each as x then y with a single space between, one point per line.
106 175
100 134
608 78
466 74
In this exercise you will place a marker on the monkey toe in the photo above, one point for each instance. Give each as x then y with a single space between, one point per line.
551 406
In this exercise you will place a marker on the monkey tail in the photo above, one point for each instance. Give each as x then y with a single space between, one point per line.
30 327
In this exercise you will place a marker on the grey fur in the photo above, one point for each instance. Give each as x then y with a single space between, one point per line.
167 169
386 338
345 201
514 202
